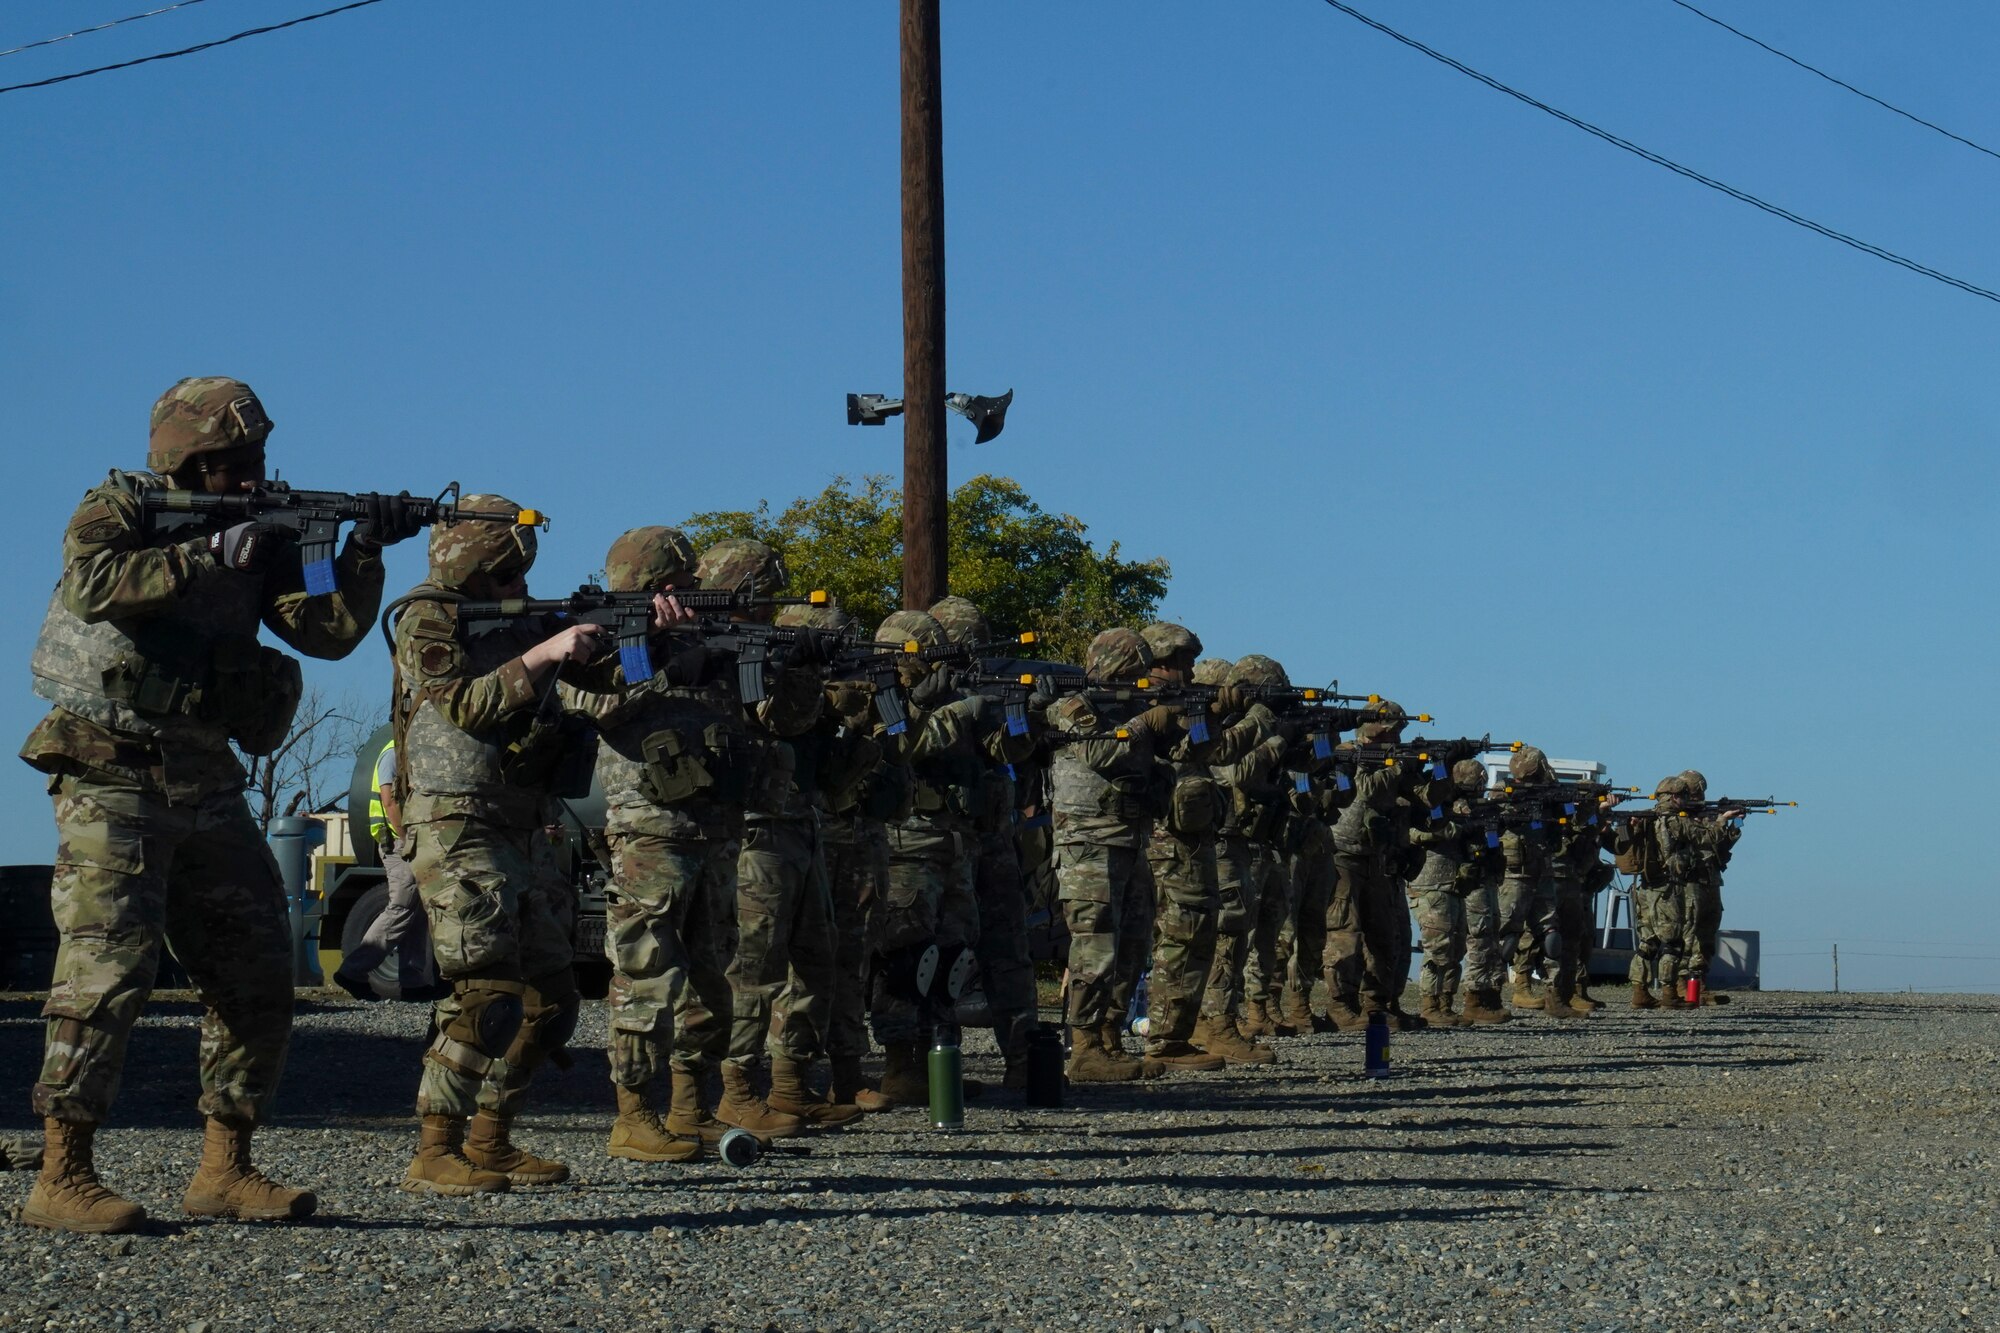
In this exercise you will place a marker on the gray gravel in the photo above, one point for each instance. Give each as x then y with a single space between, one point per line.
1790 1161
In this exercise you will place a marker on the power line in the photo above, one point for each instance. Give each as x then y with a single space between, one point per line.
190 50
1839 83
130 18
1744 196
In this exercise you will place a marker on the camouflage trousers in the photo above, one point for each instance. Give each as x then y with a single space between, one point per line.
1382 914
1527 909
1701 923
1107 898
929 897
1329 930
1243 874
784 941
1586 946
1271 935
1005 972
1656 930
1573 924
500 909
1048 933
670 931
856 853
1184 934
1485 958
133 873
1440 913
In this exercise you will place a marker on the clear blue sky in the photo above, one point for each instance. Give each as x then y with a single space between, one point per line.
1414 385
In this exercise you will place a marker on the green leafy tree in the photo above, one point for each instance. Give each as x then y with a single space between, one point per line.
1026 568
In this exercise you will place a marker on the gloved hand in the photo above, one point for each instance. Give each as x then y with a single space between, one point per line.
694 667
389 520
1229 699
851 700
246 546
1461 750
1160 720
811 647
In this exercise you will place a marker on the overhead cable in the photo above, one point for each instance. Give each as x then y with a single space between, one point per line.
190 50
1745 196
1840 83
80 32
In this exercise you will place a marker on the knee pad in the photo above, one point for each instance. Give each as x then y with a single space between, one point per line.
551 1006
490 1014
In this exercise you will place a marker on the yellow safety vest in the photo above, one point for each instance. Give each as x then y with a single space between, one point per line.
378 819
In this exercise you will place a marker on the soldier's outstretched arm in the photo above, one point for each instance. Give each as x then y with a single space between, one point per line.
329 626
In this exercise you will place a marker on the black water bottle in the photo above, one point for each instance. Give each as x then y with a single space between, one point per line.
1045 1067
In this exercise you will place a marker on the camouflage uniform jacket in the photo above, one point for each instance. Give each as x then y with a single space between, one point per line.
1253 782
1195 781
134 606
1108 791
1376 822
1450 861
952 748
478 741
675 762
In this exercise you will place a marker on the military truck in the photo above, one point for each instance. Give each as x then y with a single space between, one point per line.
350 890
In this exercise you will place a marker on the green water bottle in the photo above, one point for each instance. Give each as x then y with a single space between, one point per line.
947 1072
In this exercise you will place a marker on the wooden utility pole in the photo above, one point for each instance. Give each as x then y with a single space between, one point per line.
924 487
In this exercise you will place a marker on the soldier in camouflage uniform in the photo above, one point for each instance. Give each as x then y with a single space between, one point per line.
862 782
1485 954
1579 872
1371 840
485 749
1181 857
1527 894
1007 976
1109 781
932 898
1715 840
1449 873
1251 854
1641 844
675 764
1240 874
149 655
784 930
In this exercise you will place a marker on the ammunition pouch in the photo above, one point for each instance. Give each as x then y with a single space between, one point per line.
1132 798
887 794
1195 808
724 765
1407 862
253 691
556 755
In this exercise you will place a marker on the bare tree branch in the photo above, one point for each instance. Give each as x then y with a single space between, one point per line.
315 759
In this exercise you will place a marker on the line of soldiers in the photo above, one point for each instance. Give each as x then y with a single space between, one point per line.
796 840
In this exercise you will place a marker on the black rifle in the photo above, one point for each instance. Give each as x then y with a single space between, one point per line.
314 517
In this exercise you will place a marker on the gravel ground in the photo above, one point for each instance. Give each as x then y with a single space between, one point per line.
1789 1161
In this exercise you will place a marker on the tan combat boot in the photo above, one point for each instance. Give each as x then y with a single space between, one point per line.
743 1108
1484 1007
1524 996
1113 1035
1558 1006
848 1086
1220 1036
1643 998
1295 1008
1257 1021
1185 1055
1089 1062
1346 1014
441 1166
791 1094
637 1135
67 1195
1016 1077
1581 1000
226 1185
687 1118
1436 1010
905 1079
487 1145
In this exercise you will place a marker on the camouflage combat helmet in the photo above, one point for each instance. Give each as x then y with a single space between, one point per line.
460 550
1529 764
645 558
1387 718
1117 654
907 626
829 618
1697 785
1673 786
203 415
1213 671
962 621
1469 776
1257 669
741 563
1166 640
